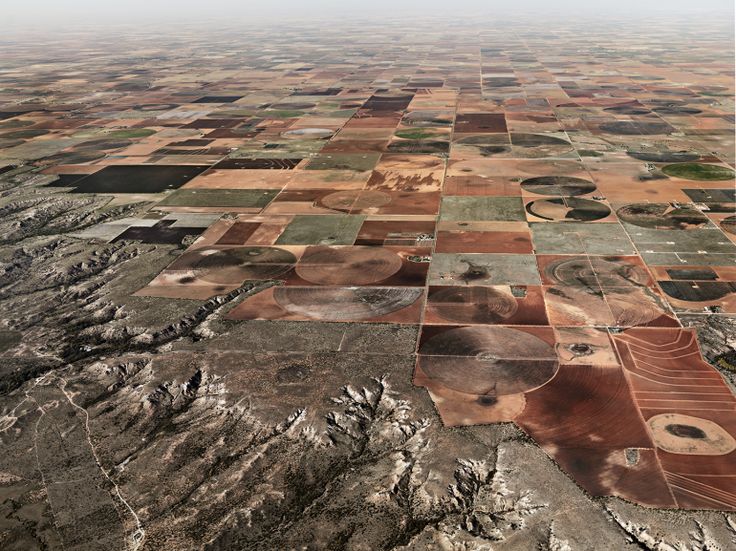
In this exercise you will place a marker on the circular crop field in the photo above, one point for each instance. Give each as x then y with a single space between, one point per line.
698 171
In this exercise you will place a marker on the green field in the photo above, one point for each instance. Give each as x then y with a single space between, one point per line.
415 134
698 171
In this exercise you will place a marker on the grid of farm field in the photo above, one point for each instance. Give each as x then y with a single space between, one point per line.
298 258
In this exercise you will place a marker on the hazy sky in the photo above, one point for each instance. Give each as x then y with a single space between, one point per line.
22 12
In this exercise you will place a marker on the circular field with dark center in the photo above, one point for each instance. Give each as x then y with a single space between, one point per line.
568 209
699 171
689 435
347 266
559 186
662 216
233 266
701 291
474 304
345 304
492 361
